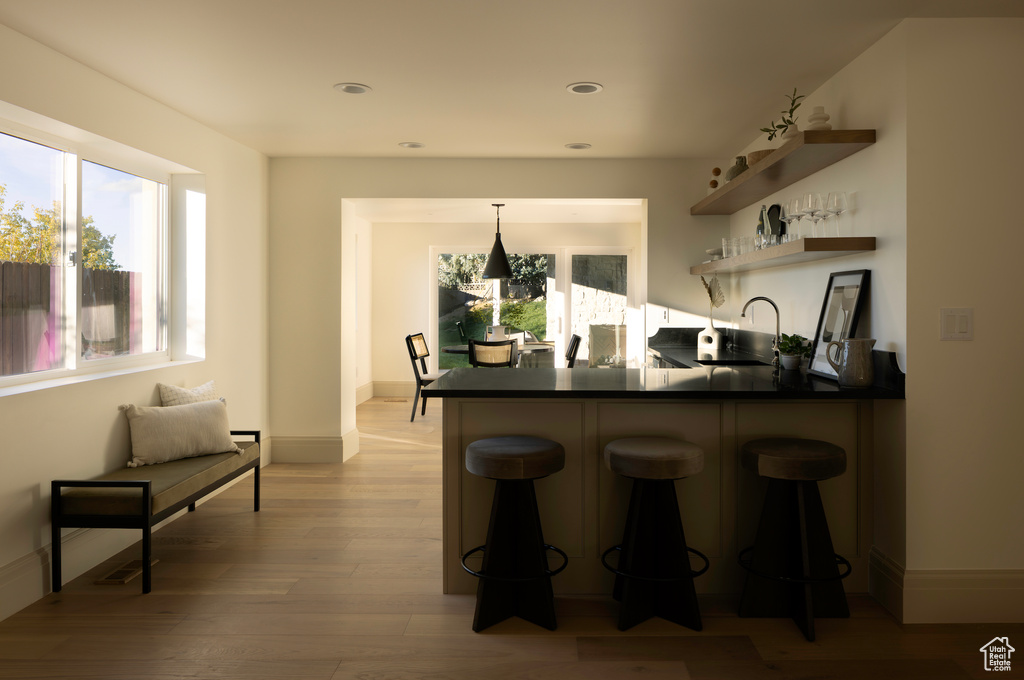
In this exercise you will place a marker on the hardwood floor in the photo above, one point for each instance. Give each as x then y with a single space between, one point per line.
339 576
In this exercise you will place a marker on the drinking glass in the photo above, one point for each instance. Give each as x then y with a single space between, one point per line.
811 207
836 205
795 217
785 219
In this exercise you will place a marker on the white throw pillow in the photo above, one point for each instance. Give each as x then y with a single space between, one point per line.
165 433
172 395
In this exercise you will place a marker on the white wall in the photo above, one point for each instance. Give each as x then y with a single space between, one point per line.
870 93
401 266
76 431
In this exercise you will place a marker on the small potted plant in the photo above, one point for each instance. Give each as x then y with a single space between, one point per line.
792 348
788 122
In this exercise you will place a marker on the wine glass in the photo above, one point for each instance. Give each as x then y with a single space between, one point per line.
794 216
785 219
811 207
836 205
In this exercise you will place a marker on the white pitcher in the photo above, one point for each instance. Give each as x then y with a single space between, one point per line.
855 367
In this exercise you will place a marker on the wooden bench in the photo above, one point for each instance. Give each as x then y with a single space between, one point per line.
141 497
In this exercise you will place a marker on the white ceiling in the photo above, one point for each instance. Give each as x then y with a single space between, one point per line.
475 78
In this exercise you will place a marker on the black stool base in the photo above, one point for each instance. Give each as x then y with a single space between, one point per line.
514 577
793 571
656 559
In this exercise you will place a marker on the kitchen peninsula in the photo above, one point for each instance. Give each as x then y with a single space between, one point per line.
717 407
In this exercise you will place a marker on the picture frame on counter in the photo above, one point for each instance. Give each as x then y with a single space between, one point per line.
840 312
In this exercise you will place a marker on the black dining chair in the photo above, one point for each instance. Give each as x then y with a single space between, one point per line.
418 354
570 352
493 353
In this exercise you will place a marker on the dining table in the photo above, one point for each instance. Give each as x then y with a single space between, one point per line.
524 348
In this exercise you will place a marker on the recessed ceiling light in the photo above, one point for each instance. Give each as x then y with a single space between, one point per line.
411 145
353 88
577 146
584 88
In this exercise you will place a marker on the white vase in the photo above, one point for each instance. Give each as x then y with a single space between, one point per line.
790 361
819 119
791 132
710 338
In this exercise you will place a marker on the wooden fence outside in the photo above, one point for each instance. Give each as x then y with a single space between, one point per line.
30 315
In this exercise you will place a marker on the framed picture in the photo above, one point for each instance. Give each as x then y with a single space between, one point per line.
839 315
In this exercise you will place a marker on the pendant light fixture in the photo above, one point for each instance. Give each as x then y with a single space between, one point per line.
497 266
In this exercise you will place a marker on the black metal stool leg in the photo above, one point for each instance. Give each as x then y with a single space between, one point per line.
654 553
515 581
793 571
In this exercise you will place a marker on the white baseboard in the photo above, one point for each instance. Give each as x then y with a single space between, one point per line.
947 595
394 388
963 596
27 579
316 449
885 582
364 393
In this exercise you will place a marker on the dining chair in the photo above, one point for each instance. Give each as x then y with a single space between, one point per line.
493 353
570 352
418 354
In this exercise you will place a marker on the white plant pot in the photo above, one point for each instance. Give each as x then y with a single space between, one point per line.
790 361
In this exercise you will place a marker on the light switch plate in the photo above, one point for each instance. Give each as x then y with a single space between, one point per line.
956 323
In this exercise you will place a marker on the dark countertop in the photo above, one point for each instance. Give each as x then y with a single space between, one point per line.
719 382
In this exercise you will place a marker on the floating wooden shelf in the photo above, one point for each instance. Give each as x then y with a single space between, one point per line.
802 250
801 156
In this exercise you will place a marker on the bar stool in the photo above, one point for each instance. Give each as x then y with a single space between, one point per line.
793 570
654 576
515 579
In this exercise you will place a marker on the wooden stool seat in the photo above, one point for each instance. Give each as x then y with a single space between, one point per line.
514 457
791 458
653 458
654 577
515 579
792 568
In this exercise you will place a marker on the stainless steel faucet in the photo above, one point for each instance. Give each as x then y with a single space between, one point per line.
775 342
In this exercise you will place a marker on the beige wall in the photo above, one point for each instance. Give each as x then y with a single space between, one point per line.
964 463
76 430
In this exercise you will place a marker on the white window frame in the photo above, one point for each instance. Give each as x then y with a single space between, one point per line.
79 146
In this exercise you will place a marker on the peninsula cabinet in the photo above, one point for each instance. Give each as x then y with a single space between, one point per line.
583 506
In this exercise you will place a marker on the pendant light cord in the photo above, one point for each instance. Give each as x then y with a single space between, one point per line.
498 207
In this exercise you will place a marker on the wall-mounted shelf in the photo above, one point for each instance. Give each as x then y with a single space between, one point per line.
799 157
802 250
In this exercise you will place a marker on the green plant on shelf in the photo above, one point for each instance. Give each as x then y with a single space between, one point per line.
794 345
788 119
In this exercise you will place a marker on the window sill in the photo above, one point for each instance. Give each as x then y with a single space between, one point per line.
76 378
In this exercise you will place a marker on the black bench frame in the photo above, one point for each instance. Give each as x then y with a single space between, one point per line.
144 521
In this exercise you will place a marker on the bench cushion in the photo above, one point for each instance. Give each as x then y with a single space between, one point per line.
171 483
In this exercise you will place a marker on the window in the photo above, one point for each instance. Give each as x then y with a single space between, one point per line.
468 304
121 259
78 287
